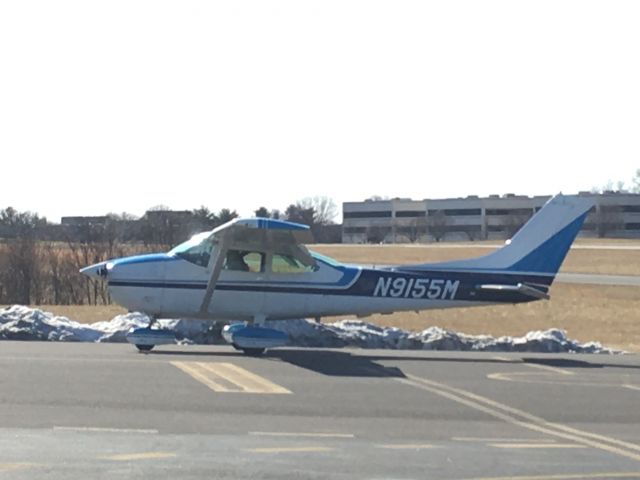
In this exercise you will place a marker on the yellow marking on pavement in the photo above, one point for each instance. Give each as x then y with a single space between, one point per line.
227 377
248 381
536 445
12 467
575 476
104 430
140 456
409 446
502 359
291 450
303 434
559 371
531 377
523 419
193 369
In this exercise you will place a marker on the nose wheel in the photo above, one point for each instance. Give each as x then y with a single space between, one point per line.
144 348
254 352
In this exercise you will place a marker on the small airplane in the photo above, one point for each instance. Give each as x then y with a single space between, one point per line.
257 270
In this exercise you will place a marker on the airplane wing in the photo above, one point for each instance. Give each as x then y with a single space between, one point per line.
262 234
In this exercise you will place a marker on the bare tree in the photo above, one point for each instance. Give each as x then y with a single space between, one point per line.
416 229
22 277
636 182
376 234
299 214
608 218
324 208
438 223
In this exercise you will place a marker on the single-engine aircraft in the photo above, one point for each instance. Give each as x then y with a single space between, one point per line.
257 270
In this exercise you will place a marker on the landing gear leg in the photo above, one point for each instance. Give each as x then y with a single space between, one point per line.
254 352
144 348
258 321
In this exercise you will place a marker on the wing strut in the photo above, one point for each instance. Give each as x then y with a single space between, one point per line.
216 269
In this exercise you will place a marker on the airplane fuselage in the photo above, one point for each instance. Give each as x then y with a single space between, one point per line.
163 285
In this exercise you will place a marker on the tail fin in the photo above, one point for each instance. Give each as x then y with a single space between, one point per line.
540 246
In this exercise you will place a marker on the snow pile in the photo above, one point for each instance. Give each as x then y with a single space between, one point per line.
23 323
365 335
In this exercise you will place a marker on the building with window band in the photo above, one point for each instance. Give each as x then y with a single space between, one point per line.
401 220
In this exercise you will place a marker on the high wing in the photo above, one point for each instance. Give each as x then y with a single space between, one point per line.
262 234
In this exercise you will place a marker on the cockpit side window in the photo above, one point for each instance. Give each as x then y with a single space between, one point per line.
244 261
283 263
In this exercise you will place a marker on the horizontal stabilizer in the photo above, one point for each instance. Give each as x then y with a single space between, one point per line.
519 288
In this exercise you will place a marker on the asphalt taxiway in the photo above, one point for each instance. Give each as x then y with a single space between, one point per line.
106 411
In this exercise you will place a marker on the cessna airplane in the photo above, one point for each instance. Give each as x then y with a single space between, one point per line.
258 270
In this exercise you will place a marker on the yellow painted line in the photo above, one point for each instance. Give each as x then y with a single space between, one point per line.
408 446
291 450
530 377
303 434
536 445
503 359
195 371
576 476
140 456
12 467
522 419
249 382
559 371
227 377
104 430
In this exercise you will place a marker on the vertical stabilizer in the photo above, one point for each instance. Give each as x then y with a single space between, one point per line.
540 246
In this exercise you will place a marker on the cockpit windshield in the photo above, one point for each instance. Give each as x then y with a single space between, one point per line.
196 250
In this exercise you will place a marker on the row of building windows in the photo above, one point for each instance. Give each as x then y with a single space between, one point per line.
465 212
468 229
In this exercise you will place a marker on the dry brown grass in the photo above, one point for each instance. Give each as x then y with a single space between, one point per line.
83 313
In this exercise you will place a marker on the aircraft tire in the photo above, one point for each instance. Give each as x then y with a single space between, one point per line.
253 352
144 348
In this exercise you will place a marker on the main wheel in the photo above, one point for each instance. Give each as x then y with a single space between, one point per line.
144 348
253 352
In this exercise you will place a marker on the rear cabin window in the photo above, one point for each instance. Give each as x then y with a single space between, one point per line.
282 263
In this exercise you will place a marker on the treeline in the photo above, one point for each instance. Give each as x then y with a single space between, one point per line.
35 269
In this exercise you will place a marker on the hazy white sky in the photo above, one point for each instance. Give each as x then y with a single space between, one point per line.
122 105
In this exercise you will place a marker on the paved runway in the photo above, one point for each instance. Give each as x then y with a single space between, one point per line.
105 411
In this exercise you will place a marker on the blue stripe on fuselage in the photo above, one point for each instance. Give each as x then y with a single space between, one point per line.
152 257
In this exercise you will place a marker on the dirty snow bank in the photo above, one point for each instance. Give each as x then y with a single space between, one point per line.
24 323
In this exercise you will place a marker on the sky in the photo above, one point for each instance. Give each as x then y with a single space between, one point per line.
120 106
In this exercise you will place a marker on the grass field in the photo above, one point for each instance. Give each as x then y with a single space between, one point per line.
610 315
583 260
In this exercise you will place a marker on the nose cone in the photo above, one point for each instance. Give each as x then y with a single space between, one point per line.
97 271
